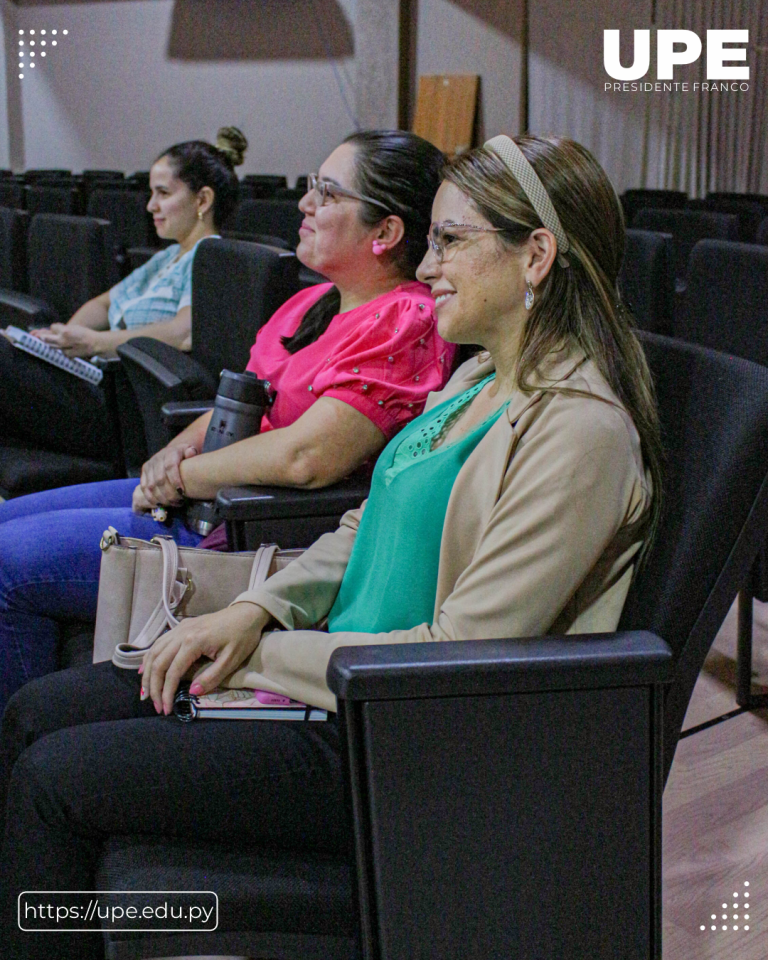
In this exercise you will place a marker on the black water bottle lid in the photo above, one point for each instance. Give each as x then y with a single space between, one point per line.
243 387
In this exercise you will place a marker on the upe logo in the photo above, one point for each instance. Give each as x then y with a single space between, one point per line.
675 48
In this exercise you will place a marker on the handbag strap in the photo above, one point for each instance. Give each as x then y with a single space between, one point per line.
174 587
262 564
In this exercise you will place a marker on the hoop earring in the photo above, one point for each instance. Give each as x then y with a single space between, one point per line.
529 297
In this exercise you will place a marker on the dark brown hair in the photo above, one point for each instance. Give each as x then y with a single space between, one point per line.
402 172
199 164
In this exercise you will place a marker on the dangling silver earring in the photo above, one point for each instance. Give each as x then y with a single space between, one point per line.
529 297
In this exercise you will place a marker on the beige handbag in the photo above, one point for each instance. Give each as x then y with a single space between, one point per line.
147 587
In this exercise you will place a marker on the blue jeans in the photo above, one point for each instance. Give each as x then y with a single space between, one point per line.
49 568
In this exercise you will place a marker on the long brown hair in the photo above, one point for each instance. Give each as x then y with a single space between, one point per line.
579 305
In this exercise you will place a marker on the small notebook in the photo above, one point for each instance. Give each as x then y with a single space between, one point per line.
29 344
242 705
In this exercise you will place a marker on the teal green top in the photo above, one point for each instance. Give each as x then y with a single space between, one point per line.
391 578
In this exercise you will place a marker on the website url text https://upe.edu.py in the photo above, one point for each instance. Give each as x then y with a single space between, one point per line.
118 910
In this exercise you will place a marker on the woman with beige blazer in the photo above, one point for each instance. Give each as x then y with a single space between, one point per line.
518 503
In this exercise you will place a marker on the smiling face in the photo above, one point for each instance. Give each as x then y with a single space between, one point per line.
479 288
333 240
172 204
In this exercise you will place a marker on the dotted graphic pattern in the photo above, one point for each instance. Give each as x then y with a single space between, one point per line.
34 45
738 920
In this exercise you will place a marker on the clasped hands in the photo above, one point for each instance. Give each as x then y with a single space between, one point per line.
74 340
161 484
227 638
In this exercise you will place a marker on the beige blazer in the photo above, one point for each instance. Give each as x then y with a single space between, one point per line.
539 537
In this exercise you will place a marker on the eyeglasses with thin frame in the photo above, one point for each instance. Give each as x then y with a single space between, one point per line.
445 233
328 190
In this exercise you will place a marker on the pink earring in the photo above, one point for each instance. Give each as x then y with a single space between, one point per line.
378 248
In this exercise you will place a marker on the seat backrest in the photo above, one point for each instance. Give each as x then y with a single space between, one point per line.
714 419
646 281
13 249
634 200
126 210
236 287
762 232
42 173
726 299
279 218
687 228
50 198
12 194
725 307
69 260
749 213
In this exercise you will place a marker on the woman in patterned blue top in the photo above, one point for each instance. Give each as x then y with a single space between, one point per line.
193 189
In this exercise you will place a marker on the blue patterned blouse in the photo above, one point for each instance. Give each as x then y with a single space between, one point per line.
156 291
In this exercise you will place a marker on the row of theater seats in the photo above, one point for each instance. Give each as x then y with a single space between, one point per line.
589 720
128 239
719 216
722 279
59 191
237 285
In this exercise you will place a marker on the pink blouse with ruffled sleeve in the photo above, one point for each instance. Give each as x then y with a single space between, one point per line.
382 358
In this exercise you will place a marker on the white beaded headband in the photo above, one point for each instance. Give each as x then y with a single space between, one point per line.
514 158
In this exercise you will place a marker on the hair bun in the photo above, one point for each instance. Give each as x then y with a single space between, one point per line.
233 144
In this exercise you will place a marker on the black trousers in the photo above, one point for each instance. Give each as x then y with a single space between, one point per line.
44 408
83 759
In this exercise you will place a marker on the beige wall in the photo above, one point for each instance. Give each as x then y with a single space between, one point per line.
567 77
134 76
476 36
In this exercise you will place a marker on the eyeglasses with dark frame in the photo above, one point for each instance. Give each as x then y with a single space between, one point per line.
443 234
328 190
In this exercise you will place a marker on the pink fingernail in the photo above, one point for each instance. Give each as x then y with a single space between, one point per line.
141 669
142 693
196 689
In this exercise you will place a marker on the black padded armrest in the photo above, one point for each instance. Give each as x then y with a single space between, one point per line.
180 413
482 667
28 313
165 364
256 503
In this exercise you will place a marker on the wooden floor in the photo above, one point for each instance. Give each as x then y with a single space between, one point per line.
716 817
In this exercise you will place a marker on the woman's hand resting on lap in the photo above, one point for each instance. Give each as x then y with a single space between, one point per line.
228 638
74 340
160 483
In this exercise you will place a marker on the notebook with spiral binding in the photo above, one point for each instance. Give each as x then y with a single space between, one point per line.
242 705
34 345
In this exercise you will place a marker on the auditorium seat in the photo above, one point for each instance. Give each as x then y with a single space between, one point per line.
236 287
687 228
646 280
634 200
69 262
126 210
280 218
749 213
13 249
11 193
726 308
45 196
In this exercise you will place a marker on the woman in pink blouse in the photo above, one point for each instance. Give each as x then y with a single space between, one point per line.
351 362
